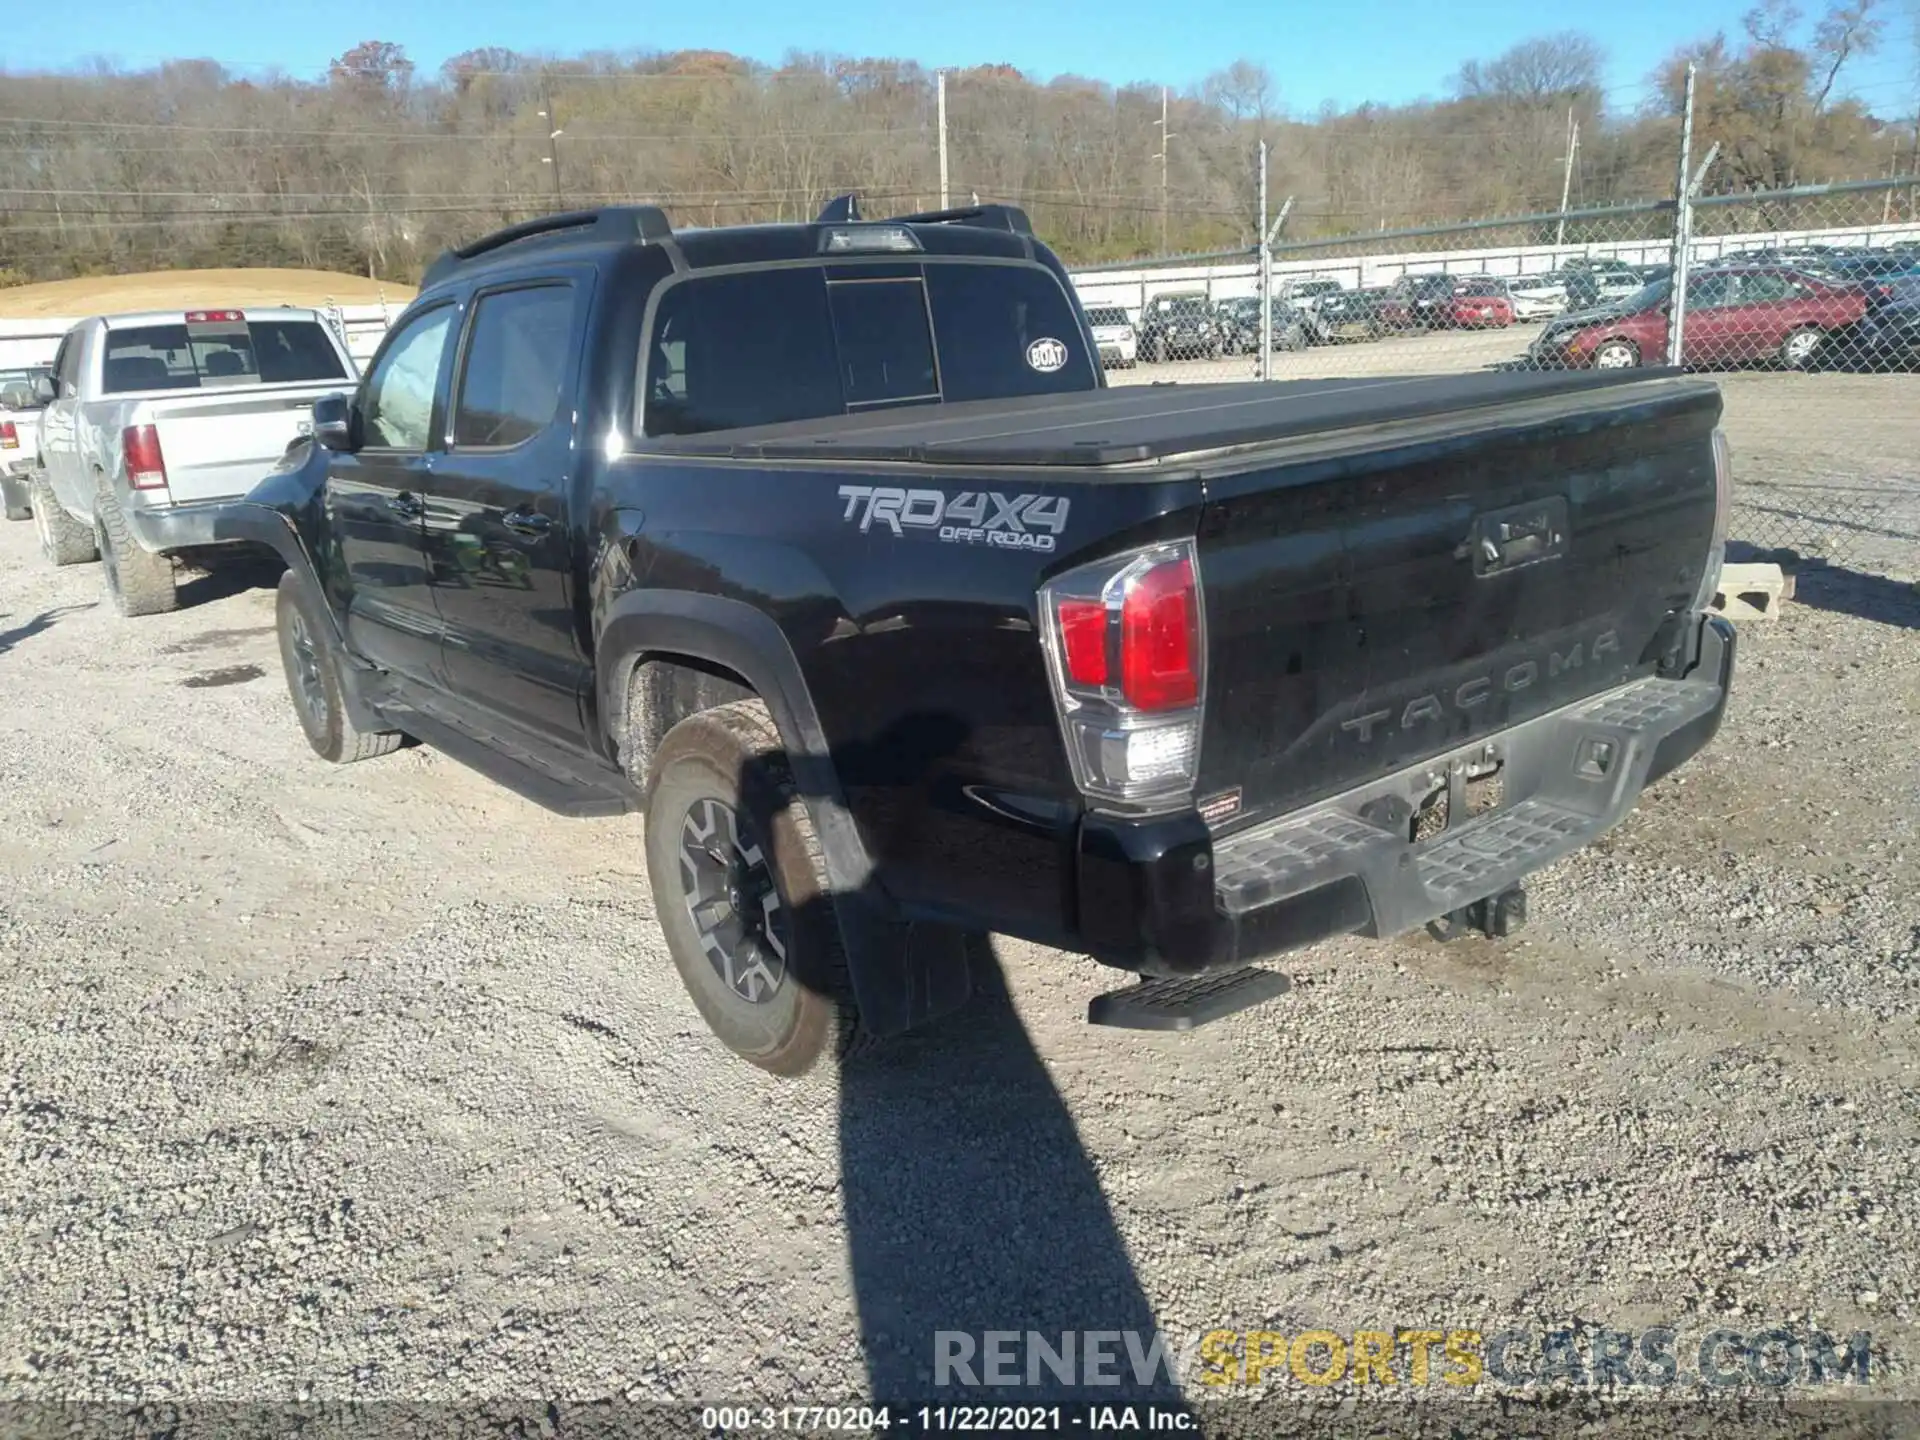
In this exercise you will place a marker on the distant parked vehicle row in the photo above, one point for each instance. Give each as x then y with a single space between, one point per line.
1582 302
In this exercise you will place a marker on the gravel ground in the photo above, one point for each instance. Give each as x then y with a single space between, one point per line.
376 1083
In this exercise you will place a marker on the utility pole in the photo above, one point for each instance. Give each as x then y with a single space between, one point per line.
1162 158
1682 227
554 132
940 84
1566 181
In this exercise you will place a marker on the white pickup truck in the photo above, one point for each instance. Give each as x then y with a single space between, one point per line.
157 424
19 439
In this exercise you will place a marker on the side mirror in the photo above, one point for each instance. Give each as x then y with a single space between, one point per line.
333 422
43 390
16 395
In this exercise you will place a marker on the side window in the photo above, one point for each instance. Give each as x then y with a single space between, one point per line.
515 362
398 409
1759 289
1710 292
66 367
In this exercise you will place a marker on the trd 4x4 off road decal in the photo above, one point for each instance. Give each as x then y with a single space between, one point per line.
973 517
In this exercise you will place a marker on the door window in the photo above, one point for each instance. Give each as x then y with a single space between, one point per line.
515 364
66 368
1710 292
1765 289
398 410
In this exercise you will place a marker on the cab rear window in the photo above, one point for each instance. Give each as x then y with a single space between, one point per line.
218 353
767 346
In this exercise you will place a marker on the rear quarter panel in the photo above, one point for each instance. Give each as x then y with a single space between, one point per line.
921 653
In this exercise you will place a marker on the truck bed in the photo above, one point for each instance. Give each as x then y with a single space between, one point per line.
1135 424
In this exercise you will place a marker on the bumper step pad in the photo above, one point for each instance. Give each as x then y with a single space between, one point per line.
1182 1004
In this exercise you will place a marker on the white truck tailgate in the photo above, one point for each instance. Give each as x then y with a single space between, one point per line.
220 450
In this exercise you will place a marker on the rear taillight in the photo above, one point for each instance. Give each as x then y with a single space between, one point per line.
1125 642
9 436
1160 638
146 467
1722 520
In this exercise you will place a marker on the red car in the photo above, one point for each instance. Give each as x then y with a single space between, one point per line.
1479 302
1734 316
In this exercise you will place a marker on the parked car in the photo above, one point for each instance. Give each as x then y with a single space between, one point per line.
1113 332
872 703
1307 296
1537 297
1352 315
1181 325
1735 315
1420 302
1240 326
156 423
20 409
1591 282
1480 302
1874 265
1888 335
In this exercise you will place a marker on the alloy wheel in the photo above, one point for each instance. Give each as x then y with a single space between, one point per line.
728 889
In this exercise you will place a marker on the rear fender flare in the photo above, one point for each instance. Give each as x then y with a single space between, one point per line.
902 973
747 641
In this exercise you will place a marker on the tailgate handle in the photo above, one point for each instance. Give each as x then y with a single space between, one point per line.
1520 535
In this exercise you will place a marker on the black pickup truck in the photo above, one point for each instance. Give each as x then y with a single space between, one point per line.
827 546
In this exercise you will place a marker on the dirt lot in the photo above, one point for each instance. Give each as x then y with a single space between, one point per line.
376 1082
178 289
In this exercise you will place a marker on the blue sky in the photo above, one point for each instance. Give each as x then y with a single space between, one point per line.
1380 50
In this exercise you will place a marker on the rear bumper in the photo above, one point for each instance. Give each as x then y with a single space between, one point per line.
164 529
1165 898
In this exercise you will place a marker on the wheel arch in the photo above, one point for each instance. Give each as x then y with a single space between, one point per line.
902 973
724 646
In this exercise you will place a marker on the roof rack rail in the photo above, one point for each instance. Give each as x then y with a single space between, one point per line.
645 223
844 208
995 217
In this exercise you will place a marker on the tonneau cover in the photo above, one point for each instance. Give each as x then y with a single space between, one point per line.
1132 423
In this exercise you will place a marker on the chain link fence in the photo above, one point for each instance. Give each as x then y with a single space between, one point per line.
1805 303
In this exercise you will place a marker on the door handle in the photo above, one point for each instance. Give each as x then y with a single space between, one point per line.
527 522
407 504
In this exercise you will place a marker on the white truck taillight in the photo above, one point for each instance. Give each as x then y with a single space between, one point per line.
9 436
146 466
1125 642
1722 518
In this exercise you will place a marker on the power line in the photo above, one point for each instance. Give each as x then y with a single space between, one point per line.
491 138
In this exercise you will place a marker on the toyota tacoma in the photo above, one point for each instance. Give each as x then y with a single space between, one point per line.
900 626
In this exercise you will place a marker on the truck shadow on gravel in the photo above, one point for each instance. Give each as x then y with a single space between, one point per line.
1861 595
972 1206
229 578
1845 591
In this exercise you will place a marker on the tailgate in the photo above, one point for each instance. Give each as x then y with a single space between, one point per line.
217 448
1392 597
